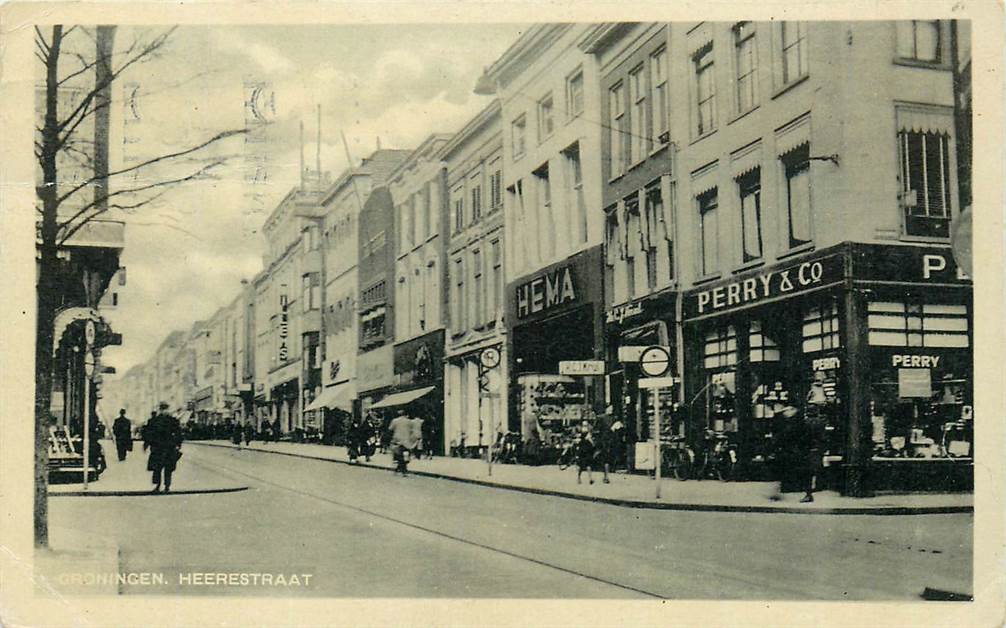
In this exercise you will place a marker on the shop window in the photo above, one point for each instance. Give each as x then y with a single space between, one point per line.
796 164
794 51
925 183
708 232
750 192
705 90
720 348
762 347
901 324
746 66
820 328
919 40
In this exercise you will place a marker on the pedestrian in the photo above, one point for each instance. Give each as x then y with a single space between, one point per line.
429 434
276 433
794 451
249 433
417 435
585 450
163 436
355 436
608 443
122 430
236 434
401 436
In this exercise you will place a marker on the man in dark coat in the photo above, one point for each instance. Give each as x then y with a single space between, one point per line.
163 436
122 430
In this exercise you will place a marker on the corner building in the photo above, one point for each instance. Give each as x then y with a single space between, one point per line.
811 178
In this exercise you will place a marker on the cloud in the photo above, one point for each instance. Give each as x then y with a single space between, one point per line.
268 58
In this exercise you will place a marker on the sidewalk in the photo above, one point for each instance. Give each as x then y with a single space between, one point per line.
131 477
638 491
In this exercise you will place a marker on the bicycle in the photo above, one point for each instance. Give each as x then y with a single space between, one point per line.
677 458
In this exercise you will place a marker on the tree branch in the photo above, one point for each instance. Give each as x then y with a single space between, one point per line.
216 138
40 39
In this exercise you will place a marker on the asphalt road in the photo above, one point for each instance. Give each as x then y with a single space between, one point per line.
368 533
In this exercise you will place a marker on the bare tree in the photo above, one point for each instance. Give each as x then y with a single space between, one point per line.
65 209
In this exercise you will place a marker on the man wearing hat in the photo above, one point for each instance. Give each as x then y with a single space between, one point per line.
794 452
163 435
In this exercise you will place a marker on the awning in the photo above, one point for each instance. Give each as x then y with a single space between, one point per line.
402 398
334 397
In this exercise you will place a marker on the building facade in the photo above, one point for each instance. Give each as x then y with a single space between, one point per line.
548 90
475 410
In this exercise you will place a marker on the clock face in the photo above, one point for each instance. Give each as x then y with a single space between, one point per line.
490 357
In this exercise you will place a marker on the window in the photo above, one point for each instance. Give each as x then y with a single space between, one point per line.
433 298
919 40
417 289
797 168
761 347
459 209
476 316
632 232
925 183
654 215
794 51
659 102
517 131
418 201
820 328
578 209
720 348
907 324
617 130
458 302
639 140
495 190
402 303
311 291
746 66
750 192
708 230
546 122
574 95
705 90
494 293
405 211
546 232
476 202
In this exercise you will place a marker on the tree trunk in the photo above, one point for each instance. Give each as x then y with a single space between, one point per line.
47 287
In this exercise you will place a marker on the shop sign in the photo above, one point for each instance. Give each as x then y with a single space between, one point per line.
915 361
915 382
919 264
375 368
766 285
620 313
581 367
826 364
631 353
546 292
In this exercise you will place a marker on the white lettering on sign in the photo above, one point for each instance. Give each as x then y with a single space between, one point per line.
915 361
763 286
932 263
619 313
826 364
541 293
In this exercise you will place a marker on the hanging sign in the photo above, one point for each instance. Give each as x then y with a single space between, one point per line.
655 361
581 367
913 383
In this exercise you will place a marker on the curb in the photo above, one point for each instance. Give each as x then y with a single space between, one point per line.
630 503
194 491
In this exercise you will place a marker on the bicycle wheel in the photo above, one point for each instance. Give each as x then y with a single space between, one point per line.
682 468
724 469
565 459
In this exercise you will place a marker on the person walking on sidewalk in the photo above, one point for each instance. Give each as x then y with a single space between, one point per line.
236 434
794 448
417 436
122 431
401 432
585 451
163 436
249 431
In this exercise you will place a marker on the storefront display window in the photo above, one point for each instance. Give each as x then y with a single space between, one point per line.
720 360
550 406
905 324
820 328
909 424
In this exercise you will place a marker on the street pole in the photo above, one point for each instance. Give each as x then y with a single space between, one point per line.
87 423
489 444
656 440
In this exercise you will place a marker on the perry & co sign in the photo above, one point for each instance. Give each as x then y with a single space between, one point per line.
752 289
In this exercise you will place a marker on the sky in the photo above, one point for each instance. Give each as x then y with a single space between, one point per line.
186 253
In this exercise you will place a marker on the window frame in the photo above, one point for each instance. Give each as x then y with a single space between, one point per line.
575 78
703 61
946 167
796 162
748 185
660 104
802 53
743 39
616 130
518 148
546 114
640 143
703 210
941 52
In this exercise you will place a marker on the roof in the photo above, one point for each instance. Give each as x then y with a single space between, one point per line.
488 115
